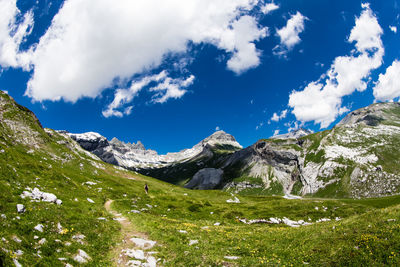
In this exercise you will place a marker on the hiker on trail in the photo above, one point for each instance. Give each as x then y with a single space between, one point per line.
146 188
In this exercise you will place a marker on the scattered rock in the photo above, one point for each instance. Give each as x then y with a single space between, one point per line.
143 243
38 195
193 242
134 253
90 183
16 263
42 241
182 231
234 200
90 200
82 257
39 228
20 208
231 257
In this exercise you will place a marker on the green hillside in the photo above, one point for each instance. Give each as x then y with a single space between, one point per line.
191 228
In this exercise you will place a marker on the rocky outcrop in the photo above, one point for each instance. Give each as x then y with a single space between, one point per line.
204 179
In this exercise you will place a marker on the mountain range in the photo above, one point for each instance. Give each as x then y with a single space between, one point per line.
356 158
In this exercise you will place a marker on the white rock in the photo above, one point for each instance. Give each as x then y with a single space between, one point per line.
143 243
135 211
90 183
217 224
134 253
19 252
68 265
231 257
82 257
234 200
39 228
16 263
88 199
192 242
36 194
102 219
151 262
35 237
20 208
134 263
3 216
58 201
182 231
59 228
42 241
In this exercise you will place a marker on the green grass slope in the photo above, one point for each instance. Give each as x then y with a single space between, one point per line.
367 234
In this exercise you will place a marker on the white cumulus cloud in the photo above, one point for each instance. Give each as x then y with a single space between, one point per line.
12 34
164 89
275 117
91 45
321 101
388 86
290 34
269 7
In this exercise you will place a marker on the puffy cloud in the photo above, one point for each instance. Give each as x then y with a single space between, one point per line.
276 132
393 29
269 7
388 85
165 89
239 41
12 34
321 101
92 44
171 88
277 117
289 35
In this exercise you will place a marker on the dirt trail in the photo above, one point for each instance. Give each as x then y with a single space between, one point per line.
122 253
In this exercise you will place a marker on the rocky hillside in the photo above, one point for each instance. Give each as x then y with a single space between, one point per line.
357 158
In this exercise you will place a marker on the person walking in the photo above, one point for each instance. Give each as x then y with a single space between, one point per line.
146 188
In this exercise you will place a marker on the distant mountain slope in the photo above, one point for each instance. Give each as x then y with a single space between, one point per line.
172 167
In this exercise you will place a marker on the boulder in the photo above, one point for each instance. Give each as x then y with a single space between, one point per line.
208 178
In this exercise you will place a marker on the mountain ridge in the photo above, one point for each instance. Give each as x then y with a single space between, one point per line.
300 162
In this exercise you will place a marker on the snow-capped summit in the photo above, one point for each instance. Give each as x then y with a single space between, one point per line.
293 134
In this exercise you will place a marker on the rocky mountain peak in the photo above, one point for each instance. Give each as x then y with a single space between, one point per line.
372 115
294 134
221 138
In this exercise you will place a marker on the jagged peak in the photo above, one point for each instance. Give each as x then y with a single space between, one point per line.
222 138
293 134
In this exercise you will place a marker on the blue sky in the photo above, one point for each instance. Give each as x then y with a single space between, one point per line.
170 73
